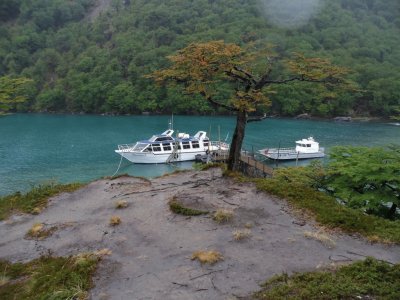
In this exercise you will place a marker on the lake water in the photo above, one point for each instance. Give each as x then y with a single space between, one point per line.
37 148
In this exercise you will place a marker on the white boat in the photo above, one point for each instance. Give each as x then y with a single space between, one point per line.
305 148
164 148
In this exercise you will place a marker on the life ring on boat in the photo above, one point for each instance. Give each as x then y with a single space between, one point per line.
176 155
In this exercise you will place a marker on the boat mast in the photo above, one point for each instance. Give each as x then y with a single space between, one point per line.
171 122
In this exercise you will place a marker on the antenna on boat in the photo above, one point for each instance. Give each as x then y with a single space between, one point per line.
171 122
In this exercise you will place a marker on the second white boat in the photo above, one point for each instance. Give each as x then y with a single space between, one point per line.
305 148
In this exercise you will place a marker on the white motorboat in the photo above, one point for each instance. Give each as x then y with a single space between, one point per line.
164 148
305 148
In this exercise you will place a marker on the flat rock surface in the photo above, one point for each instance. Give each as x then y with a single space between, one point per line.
152 247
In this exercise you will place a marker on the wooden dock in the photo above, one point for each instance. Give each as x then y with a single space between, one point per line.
254 167
249 165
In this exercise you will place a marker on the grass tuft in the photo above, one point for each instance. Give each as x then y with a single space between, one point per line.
117 176
179 209
115 220
207 257
368 279
204 167
38 231
249 225
241 234
4 280
121 204
223 216
34 201
103 252
321 237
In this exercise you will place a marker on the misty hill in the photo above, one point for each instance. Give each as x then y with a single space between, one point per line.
90 56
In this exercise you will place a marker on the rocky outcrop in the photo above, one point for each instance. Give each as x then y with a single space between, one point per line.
342 119
303 116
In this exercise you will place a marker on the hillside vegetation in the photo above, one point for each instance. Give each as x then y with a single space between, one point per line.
95 65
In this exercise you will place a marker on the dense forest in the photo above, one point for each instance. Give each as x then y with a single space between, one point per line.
90 55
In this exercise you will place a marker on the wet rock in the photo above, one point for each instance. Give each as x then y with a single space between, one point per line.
342 119
303 116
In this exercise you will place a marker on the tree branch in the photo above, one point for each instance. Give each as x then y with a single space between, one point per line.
264 82
238 76
215 103
248 75
260 84
256 119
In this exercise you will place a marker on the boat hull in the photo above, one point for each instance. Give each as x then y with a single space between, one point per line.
152 158
290 155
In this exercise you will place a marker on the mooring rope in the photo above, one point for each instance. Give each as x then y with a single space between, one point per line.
118 166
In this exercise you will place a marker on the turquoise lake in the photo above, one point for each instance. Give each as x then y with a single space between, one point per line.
38 148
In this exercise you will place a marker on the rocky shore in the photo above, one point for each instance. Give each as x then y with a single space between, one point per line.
151 248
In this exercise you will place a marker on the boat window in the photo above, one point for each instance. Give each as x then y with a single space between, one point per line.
205 144
139 147
195 144
185 145
156 147
308 145
163 138
166 147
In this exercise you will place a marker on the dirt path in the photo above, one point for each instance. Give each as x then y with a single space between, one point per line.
152 247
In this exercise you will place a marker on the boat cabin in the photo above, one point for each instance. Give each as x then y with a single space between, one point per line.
166 143
308 145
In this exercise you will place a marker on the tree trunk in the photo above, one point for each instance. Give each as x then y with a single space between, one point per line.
237 140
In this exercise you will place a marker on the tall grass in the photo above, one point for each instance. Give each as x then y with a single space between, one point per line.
49 278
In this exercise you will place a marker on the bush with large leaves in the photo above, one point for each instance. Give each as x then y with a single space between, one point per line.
367 178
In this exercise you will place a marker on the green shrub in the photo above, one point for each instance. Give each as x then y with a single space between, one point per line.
368 279
179 209
329 212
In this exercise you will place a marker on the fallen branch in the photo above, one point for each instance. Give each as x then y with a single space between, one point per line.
202 275
230 203
180 284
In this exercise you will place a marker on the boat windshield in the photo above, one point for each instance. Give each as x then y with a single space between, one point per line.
140 147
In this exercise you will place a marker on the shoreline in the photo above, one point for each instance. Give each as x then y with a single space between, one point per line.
355 119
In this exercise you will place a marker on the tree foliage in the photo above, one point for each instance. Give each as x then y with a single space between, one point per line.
12 92
206 68
367 178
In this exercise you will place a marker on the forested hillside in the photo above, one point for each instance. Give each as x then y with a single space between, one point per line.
81 63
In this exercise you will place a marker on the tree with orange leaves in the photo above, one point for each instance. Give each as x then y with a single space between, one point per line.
206 69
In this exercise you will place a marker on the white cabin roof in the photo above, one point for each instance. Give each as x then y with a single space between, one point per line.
307 145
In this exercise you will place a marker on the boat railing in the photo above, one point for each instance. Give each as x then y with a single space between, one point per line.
219 144
126 147
275 150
